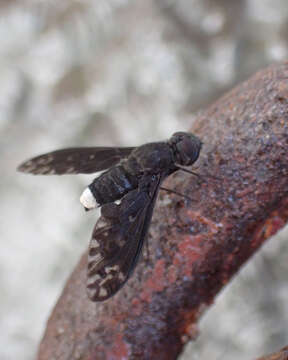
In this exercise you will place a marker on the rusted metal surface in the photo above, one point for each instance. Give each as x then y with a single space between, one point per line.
280 355
194 247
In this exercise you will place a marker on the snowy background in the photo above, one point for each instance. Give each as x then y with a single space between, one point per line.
121 72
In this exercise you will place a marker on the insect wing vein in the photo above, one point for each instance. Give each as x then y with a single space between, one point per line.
75 160
113 253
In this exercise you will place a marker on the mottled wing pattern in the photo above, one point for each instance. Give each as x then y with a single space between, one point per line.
82 160
117 241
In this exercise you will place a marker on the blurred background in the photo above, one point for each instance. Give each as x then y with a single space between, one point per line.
121 72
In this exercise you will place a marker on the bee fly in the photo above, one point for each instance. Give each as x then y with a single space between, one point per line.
134 175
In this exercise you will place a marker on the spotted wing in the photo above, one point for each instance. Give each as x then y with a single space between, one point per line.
83 160
117 241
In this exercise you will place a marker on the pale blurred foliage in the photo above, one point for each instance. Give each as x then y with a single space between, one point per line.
120 72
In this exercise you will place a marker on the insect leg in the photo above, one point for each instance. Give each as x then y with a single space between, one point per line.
176 192
195 174
190 172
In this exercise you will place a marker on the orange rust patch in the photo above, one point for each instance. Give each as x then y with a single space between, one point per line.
190 250
274 224
226 275
119 348
196 215
172 274
271 226
136 306
190 328
156 282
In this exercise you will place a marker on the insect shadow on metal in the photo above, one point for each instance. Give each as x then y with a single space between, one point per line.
133 175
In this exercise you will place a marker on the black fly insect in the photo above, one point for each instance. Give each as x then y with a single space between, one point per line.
134 175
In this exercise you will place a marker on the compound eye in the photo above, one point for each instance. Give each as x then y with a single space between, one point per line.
188 150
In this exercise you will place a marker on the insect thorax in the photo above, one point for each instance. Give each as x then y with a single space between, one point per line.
153 158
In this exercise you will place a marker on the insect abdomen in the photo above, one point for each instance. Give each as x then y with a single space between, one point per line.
112 185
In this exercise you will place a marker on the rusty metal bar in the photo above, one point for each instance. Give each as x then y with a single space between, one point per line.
194 247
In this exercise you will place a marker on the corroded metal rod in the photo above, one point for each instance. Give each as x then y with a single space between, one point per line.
195 247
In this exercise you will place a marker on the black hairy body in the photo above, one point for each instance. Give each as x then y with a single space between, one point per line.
134 176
